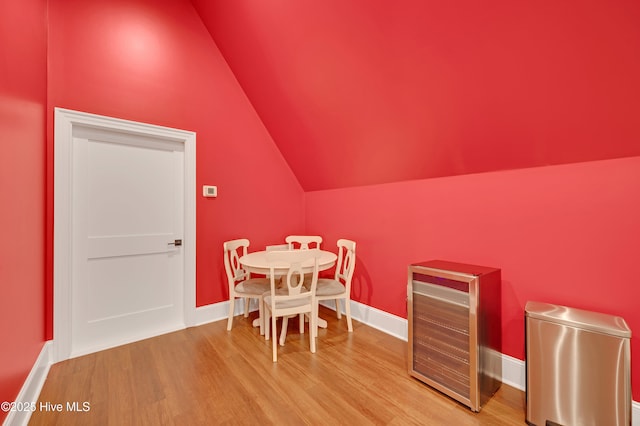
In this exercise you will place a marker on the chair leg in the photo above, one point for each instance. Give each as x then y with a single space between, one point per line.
317 317
230 321
266 322
261 317
347 310
313 327
338 311
301 323
314 330
246 307
274 345
283 332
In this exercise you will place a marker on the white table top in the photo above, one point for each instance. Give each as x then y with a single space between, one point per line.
257 262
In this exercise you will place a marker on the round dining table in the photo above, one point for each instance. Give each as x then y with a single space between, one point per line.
259 262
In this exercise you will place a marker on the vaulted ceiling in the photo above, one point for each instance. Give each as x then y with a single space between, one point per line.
358 92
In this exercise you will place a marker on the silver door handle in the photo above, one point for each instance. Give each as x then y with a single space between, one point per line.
176 243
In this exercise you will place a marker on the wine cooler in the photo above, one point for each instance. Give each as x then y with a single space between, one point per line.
455 329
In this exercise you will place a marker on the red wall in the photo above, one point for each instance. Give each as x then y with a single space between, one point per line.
562 234
154 61
22 188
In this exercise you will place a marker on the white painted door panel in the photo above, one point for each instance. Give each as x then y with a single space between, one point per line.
128 208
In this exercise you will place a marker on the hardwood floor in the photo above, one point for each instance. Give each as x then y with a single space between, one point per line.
206 375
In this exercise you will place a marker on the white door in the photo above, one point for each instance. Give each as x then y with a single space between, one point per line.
127 221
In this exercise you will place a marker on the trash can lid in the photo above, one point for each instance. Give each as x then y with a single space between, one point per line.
586 320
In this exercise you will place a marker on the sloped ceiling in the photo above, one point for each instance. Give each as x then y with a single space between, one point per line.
359 92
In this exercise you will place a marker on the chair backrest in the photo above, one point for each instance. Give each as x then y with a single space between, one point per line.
303 242
346 262
233 250
297 263
277 247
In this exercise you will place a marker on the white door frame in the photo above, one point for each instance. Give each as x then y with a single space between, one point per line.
65 122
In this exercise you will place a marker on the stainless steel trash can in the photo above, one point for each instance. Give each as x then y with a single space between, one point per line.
578 367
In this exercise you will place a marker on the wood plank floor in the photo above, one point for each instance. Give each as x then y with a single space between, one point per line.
207 376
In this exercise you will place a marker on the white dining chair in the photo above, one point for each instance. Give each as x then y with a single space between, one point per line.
303 242
293 299
241 285
339 287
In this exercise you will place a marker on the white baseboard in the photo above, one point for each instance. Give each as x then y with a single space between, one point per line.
31 388
380 320
514 372
219 311
214 312
635 413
